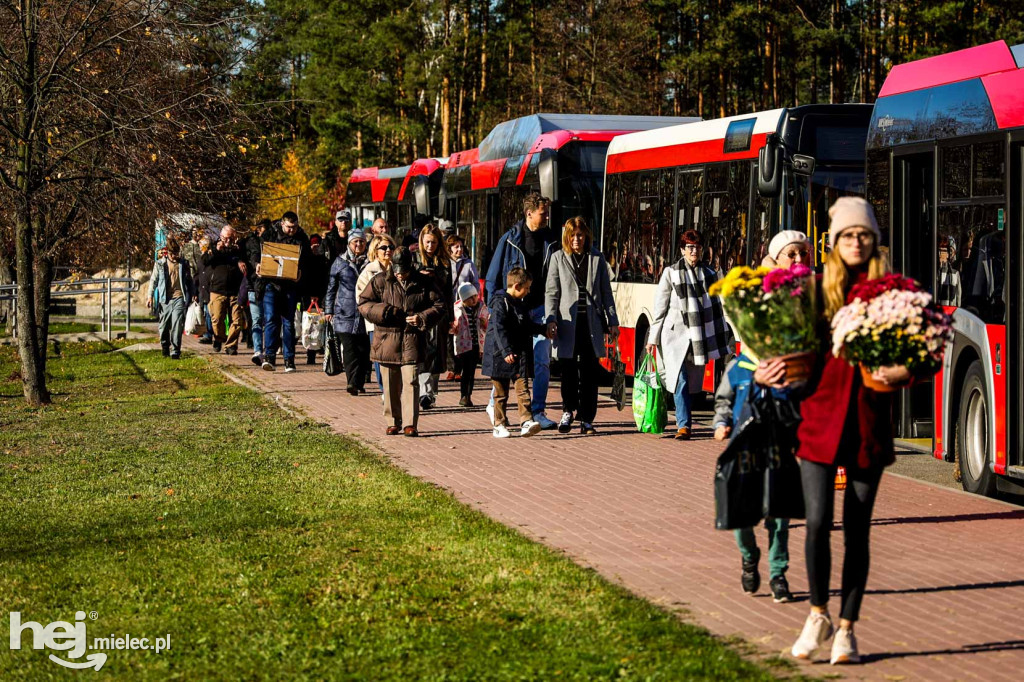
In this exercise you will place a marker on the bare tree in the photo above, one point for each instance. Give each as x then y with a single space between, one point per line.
110 115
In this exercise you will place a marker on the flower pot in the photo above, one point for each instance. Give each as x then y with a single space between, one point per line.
877 386
798 366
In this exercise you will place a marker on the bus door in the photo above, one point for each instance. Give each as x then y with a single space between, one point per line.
913 243
1015 307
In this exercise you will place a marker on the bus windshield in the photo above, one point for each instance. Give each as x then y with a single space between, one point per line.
808 198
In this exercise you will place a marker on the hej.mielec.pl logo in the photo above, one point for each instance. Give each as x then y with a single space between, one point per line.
72 638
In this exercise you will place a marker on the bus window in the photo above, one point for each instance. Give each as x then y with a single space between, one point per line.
955 174
726 209
878 179
610 233
989 169
972 260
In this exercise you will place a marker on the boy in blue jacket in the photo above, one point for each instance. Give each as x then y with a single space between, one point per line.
733 390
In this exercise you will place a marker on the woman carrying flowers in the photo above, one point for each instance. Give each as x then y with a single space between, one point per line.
844 424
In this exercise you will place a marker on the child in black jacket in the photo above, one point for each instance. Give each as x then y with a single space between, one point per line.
508 352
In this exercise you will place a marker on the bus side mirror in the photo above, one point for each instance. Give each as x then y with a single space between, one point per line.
547 169
769 167
803 164
421 194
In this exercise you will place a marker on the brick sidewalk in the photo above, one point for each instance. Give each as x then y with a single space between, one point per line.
945 595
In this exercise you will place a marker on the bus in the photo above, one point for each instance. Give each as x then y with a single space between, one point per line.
559 155
737 181
397 195
945 159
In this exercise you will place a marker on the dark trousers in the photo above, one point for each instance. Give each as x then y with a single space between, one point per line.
467 362
819 496
579 375
356 350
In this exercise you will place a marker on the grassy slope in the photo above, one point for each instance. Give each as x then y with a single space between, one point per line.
171 501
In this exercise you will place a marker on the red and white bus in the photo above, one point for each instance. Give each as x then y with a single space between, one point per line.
559 155
945 159
396 194
737 181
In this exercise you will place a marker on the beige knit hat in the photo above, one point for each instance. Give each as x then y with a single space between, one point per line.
784 239
850 212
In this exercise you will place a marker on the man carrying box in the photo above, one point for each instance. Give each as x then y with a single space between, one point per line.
282 293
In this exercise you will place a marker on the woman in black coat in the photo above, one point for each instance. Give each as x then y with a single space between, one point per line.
435 262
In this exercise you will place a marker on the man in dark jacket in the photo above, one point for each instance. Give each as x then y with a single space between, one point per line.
528 245
281 296
225 267
402 304
252 246
336 239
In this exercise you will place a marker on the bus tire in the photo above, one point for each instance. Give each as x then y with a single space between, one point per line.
973 440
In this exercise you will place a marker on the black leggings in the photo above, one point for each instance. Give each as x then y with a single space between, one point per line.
579 374
819 493
467 363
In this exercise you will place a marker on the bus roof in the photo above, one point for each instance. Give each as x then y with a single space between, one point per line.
380 178
699 142
967 92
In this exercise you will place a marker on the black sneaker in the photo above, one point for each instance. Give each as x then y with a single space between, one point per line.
257 359
230 351
165 351
175 356
205 340
425 403
289 366
587 429
780 590
269 363
565 423
217 345
751 578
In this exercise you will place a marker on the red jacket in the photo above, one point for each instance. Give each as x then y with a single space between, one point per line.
843 422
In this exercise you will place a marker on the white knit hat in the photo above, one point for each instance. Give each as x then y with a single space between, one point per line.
784 239
850 212
466 290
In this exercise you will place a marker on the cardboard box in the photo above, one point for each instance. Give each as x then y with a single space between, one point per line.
280 261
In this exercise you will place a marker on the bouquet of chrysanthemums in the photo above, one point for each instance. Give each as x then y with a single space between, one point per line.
891 321
772 313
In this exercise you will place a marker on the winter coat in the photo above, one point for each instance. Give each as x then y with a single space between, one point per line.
669 330
734 389
561 299
334 246
463 339
435 359
340 301
275 235
509 254
509 332
221 267
370 270
160 282
464 272
844 422
386 303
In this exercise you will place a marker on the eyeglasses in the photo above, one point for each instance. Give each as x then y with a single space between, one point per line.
385 247
862 237
691 247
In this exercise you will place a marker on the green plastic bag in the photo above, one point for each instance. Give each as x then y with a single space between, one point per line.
649 410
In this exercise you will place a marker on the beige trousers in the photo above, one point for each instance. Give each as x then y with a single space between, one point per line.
501 392
401 394
220 307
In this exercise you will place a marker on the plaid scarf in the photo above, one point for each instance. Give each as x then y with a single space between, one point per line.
710 334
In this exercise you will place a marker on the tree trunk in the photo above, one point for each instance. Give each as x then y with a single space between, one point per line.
43 276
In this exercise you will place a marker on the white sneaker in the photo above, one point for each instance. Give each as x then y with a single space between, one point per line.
490 412
501 431
844 647
565 423
817 630
530 428
544 422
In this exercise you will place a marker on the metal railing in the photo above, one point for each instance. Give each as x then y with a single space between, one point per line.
105 286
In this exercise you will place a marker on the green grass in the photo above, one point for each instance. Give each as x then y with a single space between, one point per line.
169 500
79 328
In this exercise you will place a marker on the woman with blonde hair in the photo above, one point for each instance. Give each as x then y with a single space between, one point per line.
435 261
844 424
379 260
579 309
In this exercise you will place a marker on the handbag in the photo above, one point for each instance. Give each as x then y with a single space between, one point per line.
618 380
313 327
332 355
649 410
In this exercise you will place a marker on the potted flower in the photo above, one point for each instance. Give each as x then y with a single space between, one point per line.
772 313
891 321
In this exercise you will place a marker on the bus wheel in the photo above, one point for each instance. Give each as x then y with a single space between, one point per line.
973 440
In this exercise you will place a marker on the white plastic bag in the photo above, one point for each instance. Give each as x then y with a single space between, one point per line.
195 320
313 328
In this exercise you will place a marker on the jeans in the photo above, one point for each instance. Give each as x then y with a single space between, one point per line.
541 364
428 382
778 546
376 368
858 503
209 321
279 312
682 397
172 324
256 312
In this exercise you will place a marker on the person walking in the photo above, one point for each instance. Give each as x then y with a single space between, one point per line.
469 328
528 244
315 283
225 267
463 269
402 303
171 292
336 239
786 248
435 262
281 296
378 260
252 247
844 424
580 311
689 326
342 311
508 352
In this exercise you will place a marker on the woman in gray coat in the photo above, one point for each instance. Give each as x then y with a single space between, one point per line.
579 309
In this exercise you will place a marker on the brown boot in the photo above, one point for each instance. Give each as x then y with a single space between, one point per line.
393 430
683 433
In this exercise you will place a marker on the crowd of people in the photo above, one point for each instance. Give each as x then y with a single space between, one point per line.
406 314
